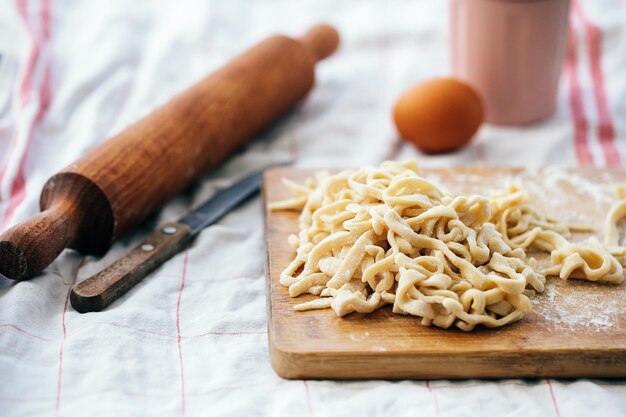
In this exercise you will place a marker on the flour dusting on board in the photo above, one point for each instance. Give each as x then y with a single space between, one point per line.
574 310
576 304
566 188
573 305
569 323
555 178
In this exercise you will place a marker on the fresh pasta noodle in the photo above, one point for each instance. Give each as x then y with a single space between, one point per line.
385 235
593 262
524 227
616 213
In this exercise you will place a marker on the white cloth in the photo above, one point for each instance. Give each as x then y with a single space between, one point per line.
191 339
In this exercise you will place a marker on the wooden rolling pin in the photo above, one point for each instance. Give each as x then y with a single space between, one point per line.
93 201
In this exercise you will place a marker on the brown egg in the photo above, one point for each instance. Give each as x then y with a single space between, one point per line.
439 115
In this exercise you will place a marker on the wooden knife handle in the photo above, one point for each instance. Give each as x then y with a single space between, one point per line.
30 246
98 291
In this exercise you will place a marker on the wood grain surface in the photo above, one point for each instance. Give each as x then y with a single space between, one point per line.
576 328
97 198
99 290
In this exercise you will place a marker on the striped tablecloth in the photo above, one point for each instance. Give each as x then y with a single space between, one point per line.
191 339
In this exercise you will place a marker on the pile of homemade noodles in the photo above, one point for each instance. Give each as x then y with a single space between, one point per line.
385 235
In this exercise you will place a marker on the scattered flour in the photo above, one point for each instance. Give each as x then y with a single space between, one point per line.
582 310
359 336
587 305
555 177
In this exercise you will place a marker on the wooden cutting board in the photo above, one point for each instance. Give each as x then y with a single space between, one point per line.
576 328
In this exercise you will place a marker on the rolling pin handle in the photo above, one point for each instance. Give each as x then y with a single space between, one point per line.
322 40
22 253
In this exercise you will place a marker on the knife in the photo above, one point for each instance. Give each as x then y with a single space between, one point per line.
98 291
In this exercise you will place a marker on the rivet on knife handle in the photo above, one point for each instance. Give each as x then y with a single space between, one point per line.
98 291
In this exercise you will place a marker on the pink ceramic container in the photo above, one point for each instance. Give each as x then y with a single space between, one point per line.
512 51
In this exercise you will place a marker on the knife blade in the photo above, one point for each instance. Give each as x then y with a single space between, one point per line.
98 291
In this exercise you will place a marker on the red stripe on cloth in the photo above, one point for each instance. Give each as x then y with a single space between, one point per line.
554 402
308 398
57 404
581 145
147 331
606 128
20 330
26 86
434 396
17 192
161 334
26 82
178 333
238 333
